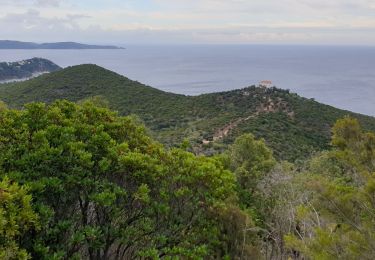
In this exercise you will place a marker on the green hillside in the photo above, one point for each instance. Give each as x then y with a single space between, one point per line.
293 126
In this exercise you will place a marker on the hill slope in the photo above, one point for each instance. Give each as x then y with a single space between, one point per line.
293 126
6 44
25 68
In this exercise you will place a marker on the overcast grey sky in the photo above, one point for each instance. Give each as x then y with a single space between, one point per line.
349 22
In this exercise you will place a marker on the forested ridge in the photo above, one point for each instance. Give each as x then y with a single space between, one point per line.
293 126
169 176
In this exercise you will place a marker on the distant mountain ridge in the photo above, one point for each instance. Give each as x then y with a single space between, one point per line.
25 69
7 44
293 126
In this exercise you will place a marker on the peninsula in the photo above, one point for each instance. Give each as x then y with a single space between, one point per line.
25 69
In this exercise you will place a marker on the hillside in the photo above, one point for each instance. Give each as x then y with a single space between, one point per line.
292 126
6 44
25 68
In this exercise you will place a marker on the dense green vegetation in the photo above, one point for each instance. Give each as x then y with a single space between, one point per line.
102 189
16 218
294 127
82 182
335 211
26 68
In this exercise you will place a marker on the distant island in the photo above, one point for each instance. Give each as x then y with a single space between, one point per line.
25 69
6 44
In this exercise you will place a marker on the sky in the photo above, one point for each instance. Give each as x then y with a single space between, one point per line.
323 22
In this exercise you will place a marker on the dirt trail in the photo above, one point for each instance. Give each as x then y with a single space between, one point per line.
223 132
268 107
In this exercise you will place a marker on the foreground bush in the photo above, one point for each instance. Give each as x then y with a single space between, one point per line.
102 189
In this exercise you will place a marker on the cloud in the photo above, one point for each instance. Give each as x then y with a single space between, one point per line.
40 3
32 22
190 21
54 3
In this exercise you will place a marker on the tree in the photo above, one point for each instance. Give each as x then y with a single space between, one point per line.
16 218
336 220
103 189
250 160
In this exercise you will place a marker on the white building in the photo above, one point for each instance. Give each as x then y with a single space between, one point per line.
265 84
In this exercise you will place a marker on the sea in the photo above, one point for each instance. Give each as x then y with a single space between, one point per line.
341 76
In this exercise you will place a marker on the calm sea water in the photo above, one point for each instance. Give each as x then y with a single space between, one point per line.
340 76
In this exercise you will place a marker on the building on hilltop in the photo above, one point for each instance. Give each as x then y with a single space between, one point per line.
265 84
